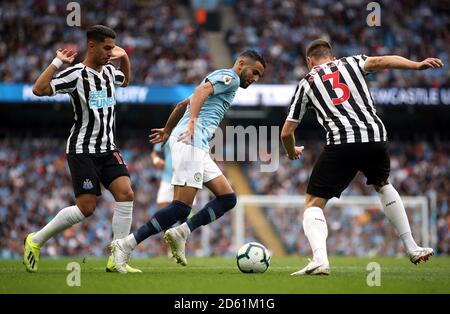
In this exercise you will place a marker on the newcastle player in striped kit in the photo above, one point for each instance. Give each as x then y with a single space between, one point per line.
92 155
356 141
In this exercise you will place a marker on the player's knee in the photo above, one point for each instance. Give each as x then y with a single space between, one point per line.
379 185
228 201
314 201
126 195
87 204
87 208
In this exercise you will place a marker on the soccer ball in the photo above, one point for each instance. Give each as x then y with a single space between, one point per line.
253 257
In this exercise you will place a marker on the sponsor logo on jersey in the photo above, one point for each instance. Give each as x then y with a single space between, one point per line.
99 99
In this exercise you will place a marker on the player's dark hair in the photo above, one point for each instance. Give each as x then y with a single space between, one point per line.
100 33
319 48
251 54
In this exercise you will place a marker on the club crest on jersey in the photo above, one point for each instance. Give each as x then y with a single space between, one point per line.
87 185
99 99
227 79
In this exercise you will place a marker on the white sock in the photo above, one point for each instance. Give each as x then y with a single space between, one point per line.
316 230
121 222
130 242
184 228
66 217
395 212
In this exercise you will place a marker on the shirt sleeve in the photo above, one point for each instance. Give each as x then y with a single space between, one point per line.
118 76
65 82
299 103
361 61
223 82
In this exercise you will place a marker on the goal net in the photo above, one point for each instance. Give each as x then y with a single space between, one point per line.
356 224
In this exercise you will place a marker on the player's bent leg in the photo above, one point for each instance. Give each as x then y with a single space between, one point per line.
316 231
395 211
225 200
162 220
86 203
65 218
176 237
121 189
123 194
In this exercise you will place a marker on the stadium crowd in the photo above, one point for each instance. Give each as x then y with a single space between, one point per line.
282 29
167 49
164 49
417 169
35 184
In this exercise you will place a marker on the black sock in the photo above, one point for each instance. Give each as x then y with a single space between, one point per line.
212 211
162 220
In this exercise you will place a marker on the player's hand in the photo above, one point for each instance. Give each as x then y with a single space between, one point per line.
298 151
66 56
430 63
187 136
118 53
158 136
158 162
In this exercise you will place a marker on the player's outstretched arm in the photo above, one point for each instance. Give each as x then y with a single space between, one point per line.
288 139
373 64
42 85
161 135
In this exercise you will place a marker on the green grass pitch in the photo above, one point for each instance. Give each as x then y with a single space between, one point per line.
220 275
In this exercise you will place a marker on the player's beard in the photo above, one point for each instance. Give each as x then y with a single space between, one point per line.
101 61
243 82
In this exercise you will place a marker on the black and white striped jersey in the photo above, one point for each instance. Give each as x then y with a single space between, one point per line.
92 95
340 97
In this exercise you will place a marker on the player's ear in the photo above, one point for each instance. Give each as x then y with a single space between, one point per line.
90 44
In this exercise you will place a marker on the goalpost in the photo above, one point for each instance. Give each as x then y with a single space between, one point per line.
291 201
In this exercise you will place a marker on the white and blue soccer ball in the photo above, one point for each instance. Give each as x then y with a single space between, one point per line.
253 257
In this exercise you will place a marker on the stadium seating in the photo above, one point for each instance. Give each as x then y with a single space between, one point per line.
164 49
37 185
282 29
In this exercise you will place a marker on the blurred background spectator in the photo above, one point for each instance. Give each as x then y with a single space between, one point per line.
164 49
35 185
282 29
167 47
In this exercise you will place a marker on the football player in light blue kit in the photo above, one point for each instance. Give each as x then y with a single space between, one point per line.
162 159
188 130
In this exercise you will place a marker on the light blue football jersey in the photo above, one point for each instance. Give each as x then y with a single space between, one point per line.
167 171
225 83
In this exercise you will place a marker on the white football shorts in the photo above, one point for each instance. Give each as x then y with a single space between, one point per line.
191 166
